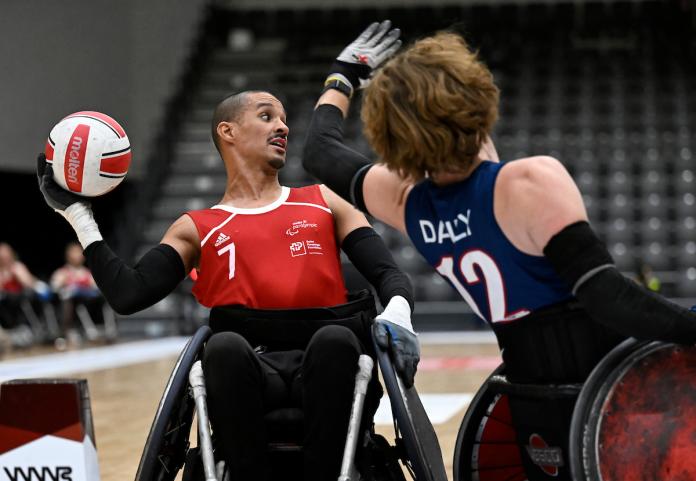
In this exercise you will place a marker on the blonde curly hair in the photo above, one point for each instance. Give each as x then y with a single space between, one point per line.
431 107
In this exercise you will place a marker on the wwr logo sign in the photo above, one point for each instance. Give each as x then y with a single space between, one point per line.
44 473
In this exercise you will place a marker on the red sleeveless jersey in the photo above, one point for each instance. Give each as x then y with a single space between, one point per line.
280 256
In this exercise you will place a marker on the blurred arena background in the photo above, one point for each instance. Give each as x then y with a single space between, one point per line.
607 87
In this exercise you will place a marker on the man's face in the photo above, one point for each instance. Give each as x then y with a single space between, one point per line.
262 134
6 255
74 256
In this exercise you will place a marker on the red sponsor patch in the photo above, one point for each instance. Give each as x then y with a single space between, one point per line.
116 165
459 363
647 427
74 163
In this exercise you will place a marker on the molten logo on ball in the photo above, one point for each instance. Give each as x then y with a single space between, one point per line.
75 158
74 163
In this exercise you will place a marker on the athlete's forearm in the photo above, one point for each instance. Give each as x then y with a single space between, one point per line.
131 289
583 262
326 156
335 98
370 256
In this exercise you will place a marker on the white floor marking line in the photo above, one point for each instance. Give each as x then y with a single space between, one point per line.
458 337
439 407
92 359
105 357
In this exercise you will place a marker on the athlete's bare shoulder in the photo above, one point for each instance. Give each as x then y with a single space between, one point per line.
346 217
537 170
535 197
385 193
182 235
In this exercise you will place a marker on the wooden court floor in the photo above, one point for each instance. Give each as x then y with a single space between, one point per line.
124 400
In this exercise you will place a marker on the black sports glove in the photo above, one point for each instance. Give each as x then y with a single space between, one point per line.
76 210
55 196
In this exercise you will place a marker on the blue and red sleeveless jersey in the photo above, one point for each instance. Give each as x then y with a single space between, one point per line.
280 256
454 228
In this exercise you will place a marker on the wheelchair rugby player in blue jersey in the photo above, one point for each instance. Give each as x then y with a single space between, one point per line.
512 238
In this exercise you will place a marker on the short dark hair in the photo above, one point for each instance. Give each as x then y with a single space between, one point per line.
228 110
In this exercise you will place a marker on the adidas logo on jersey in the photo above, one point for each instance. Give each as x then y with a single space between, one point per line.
222 238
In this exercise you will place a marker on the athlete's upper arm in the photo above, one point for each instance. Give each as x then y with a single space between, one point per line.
346 217
182 235
535 198
385 194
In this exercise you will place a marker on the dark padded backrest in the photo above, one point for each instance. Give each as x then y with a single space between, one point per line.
284 329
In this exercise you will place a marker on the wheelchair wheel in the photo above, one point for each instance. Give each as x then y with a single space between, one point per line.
422 447
486 447
635 416
167 443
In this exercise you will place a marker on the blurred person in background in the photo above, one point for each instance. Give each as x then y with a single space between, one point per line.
22 296
512 238
75 287
645 276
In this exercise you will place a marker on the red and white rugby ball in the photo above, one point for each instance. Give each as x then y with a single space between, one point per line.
90 153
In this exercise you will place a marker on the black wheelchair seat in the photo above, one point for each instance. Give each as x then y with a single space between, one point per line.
285 428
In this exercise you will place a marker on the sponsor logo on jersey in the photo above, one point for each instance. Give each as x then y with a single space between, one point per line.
221 239
548 458
314 247
455 229
296 226
298 249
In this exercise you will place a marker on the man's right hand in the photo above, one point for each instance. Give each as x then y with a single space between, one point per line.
76 210
55 196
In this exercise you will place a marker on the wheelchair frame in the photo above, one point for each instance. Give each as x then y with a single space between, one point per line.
167 444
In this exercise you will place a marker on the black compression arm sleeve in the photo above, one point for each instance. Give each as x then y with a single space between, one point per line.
583 261
326 156
370 256
131 289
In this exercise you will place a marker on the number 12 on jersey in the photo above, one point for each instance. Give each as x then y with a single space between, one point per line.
229 248
495 286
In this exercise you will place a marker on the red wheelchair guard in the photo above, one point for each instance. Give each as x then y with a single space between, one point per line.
647 426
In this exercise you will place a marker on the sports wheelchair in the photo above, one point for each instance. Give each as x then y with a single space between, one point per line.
167 449
634 418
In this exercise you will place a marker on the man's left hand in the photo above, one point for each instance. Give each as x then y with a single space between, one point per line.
393 333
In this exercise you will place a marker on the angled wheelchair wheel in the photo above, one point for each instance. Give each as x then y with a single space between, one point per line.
635 417
165 449
486 447
418 436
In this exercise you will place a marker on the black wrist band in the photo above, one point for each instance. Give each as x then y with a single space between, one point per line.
336 83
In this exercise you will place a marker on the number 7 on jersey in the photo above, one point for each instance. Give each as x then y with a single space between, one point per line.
229 248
